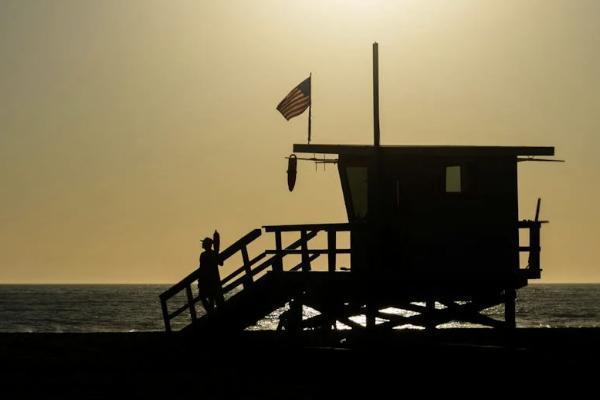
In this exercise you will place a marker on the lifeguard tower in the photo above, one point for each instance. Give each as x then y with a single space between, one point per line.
434 234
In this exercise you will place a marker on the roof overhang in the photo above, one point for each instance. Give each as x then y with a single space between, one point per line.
488 151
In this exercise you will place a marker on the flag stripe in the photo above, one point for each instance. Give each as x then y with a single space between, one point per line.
295 103
294 114
289 102
297 100
298 107
300 103
297 110
290 98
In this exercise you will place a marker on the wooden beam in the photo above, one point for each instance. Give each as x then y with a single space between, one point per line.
278 263
178 311
243 268
275 262
295 315
191 303
298 266
165 313
425 150
391 317
331 248
310 251
430 311
304 254
349 322
237 245
309 227
270 262
485 320
467 313
509 308
247 269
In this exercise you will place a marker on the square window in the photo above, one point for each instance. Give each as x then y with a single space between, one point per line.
453 179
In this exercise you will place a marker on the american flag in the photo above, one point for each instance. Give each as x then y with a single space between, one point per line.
297 101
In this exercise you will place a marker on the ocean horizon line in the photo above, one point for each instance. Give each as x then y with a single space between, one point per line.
173 283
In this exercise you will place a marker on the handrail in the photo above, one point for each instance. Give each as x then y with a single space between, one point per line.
239 244
345 226
179 286
263 265
243 268
309 251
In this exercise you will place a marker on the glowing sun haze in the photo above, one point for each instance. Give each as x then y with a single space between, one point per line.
131 129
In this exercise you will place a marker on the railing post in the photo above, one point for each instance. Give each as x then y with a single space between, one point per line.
304 247
165 312
190 299
278 263
295 315
247 269
534 246
331 250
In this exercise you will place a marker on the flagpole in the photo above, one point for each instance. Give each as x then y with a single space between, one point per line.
310 109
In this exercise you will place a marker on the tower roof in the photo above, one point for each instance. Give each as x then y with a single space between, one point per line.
490 151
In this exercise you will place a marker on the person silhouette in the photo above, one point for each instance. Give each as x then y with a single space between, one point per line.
209 281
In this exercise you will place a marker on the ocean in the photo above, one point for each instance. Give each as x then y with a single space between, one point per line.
136 308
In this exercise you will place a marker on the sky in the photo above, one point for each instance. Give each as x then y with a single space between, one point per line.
129 130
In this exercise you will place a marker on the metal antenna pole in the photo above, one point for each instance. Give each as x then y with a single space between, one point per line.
376 94
310 110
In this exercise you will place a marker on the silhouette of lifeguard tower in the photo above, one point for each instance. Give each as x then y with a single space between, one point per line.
434 238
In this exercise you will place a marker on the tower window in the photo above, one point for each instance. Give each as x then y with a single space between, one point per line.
453 179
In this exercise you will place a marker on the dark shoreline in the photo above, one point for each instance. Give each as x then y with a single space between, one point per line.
266 365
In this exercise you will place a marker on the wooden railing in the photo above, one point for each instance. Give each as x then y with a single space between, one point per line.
245 275
186 283
307 232
533 268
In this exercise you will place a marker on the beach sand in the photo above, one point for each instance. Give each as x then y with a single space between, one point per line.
264 365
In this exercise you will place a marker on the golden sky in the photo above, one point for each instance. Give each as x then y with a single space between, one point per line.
131 129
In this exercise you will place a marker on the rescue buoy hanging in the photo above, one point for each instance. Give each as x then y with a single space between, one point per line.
291 171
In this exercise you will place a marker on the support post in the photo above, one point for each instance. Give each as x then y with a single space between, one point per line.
278 264
510 308
165 312
190 299
429 314
534 246
331 247
304 247
246 260
371 310
295 316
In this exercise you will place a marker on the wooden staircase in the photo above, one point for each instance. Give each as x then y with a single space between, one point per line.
248 306
260 285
